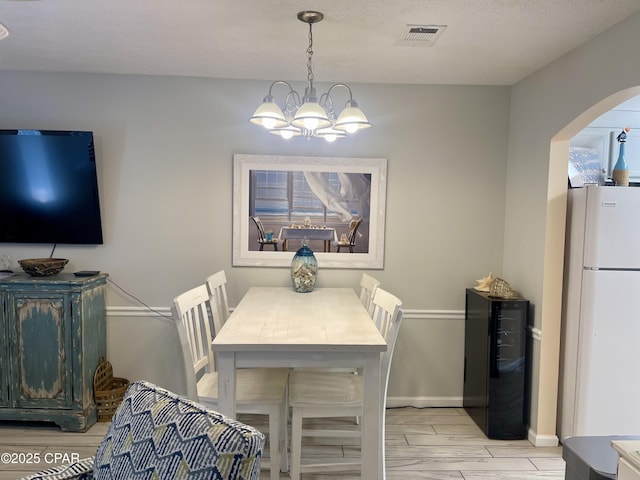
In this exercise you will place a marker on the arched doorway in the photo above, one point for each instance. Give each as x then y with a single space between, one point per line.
554 253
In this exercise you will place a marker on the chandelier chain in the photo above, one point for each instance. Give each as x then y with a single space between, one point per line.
309 56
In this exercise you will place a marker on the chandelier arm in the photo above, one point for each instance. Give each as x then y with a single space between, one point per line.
296 98
326 102
340 85
291 100
292 103
282 82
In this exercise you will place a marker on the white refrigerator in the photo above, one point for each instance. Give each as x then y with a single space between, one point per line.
599 391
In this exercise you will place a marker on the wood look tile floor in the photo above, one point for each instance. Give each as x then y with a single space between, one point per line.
429 443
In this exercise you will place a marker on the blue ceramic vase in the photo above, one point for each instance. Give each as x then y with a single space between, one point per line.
620 171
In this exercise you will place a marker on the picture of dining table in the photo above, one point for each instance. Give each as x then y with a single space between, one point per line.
275 327
327 234
312 197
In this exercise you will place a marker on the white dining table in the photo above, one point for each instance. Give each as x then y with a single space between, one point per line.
327 327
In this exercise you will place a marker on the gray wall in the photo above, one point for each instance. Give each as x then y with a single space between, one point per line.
547 110
164 152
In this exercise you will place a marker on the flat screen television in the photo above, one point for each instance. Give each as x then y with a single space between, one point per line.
49 188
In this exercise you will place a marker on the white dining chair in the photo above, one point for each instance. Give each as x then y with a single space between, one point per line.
368 286
217 285
317 394
259 391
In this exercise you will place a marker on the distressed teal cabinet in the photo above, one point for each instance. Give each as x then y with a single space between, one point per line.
53 335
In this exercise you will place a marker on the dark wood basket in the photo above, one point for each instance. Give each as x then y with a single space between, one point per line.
43 267
108 390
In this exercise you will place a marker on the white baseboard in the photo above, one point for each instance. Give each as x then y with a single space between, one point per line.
424 402
456 402
542 440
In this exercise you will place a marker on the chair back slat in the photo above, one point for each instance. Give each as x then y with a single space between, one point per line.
217 285
368 286
387 315
191 314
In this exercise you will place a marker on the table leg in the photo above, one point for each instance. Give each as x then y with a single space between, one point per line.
227 384
372 417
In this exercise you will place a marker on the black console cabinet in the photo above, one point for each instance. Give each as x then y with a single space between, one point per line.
495 364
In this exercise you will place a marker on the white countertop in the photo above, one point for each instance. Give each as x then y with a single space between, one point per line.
629 450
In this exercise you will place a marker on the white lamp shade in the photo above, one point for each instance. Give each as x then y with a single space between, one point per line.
311 116
329 137
330 134
269 115
351 119
286 132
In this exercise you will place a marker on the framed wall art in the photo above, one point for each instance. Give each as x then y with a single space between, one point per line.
335 205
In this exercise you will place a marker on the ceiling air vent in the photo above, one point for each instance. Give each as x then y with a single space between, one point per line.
420 35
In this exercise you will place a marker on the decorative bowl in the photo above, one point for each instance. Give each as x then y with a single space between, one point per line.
43 267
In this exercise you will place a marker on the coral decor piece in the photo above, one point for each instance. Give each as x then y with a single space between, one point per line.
484 283
495 287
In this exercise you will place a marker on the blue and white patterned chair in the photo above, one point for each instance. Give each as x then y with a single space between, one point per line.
156 434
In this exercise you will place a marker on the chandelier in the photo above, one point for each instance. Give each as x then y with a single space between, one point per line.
313 116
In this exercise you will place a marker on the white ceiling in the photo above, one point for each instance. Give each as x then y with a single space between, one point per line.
486 42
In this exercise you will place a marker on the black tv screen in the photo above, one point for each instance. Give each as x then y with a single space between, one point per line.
48 188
